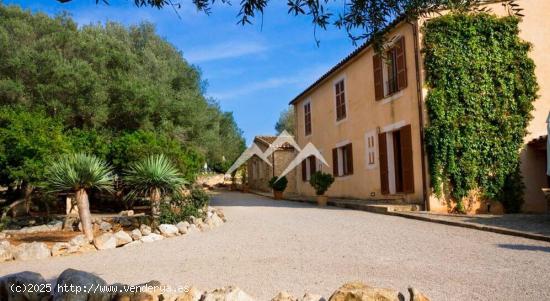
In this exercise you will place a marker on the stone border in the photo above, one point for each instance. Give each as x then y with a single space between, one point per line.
72 284
112 235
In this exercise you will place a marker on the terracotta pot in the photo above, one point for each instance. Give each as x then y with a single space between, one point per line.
322 200
278 195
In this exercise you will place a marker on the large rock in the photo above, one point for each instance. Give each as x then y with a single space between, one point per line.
80 279
122 238
192 229
33 250
192 294
136 234
105 226
168 230
60 248
23 280
228 293
55 226
105 241
284 296
216 220
152 291
417 295
182 227
145 230
133 243
79 241
312 297
151 237
6 251
127 213
357 291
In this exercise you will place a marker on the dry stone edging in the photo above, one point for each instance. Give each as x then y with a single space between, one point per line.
108 239
153 290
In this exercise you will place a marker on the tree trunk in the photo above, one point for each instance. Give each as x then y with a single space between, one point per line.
28 193
155 206
84 213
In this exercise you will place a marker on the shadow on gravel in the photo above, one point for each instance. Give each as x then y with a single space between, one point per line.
532 223
253 200
524 247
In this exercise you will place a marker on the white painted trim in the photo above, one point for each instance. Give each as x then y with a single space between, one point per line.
393 126
391 162
391 42
371 133
342 143
392 97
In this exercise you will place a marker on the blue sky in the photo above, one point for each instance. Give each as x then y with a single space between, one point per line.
253 71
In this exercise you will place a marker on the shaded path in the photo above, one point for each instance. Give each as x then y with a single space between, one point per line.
267 246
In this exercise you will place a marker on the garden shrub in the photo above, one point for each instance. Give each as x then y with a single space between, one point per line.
321 182
199 198
180 208
279 185
481 85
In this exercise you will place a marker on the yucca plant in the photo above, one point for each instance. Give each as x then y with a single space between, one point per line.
79 173
153 177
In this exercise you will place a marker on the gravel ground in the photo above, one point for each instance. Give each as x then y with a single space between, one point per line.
268 246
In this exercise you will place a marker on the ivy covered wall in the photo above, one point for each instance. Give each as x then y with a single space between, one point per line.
481 88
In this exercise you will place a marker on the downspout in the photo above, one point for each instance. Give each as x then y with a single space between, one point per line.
420 113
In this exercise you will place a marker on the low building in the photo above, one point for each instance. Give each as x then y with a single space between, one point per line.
367 114
259 172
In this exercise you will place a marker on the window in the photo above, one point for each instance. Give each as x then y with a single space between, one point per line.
307 118
340 100
370 150
342 160
390 73
309 166
396 161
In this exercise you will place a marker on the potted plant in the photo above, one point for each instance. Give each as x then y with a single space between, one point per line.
278 187
321 181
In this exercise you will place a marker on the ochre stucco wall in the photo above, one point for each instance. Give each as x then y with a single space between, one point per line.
364 114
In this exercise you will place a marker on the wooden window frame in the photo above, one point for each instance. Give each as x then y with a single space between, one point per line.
340 97
343 154
307 118
403 161
395 64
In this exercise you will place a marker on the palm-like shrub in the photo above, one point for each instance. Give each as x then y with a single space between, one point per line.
153 177
79 173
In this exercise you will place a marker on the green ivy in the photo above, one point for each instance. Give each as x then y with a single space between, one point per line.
481 88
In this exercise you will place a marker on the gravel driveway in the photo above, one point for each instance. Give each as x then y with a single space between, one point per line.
267 246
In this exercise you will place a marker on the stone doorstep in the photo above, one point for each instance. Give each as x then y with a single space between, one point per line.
382 206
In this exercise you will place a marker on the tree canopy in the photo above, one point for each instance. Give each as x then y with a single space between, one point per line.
103 83
360 18
286 121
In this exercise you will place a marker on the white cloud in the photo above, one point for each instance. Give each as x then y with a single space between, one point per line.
302 79
223 51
